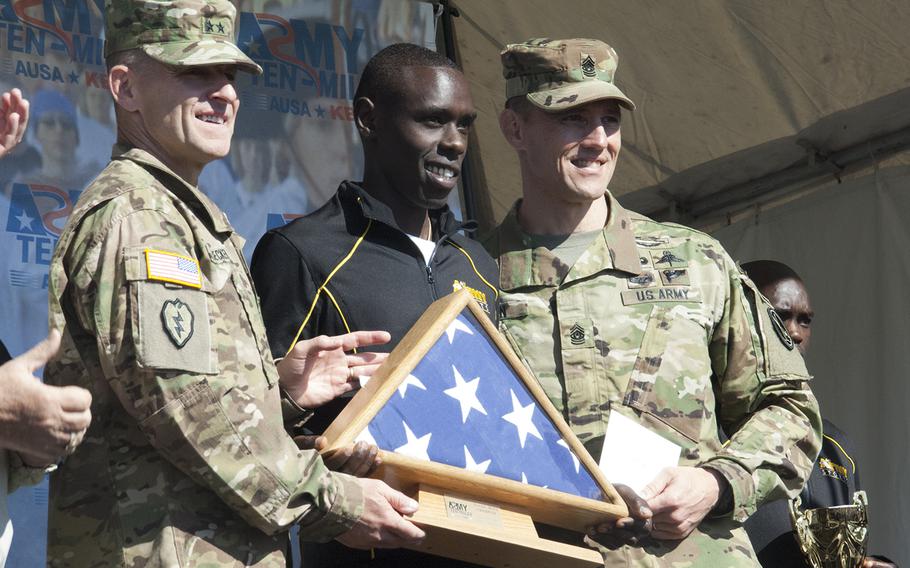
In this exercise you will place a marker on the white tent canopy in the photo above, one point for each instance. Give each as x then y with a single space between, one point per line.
735 99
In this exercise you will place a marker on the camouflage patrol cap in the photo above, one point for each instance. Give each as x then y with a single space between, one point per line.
560 74
182 33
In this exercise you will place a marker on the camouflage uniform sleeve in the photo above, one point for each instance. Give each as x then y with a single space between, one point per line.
764 401
22 475
216 420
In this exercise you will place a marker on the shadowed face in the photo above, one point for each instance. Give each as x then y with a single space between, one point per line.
791 302
421 134
58 136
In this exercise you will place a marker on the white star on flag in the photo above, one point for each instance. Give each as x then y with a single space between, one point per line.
521 417
565 445
25 222
524 478
466 395
365 436
471 465
416 447
410 380
457 325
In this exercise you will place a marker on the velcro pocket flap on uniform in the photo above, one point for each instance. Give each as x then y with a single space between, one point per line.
171 328
650 356
513 309
195 431
653 389
780 357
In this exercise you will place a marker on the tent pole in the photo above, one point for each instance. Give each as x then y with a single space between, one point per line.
446 13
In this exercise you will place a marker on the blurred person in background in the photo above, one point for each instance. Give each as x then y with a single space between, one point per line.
835 475
56 130
39 424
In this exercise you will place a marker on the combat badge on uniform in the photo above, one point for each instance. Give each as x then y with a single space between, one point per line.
675 277
667 259
651 242
178 320
644 280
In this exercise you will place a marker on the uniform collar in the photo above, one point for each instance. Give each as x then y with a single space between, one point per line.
613 249
185 191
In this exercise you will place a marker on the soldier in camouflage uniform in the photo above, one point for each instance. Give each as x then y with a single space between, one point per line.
187 462
617 313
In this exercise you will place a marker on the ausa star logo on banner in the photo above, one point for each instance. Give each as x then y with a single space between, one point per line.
454 401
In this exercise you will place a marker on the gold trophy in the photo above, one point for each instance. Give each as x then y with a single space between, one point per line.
832 537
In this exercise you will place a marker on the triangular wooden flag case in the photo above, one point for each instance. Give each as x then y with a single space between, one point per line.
464 428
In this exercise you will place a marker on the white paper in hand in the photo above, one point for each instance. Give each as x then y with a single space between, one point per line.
633 455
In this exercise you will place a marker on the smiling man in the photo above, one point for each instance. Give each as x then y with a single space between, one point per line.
187 462
381 250
618 314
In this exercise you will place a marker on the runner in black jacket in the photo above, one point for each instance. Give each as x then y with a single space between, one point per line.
348 267
381 251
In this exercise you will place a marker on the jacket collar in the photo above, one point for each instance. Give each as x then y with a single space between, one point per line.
443 220
613 249
182 189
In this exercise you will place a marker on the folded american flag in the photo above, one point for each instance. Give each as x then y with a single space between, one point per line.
464 406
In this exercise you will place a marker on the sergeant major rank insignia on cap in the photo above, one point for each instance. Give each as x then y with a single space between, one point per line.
588 67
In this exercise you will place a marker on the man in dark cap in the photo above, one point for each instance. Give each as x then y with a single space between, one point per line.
187 462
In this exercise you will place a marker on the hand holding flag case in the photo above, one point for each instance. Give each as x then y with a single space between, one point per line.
462 425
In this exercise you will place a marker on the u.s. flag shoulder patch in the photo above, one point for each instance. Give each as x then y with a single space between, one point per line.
172 267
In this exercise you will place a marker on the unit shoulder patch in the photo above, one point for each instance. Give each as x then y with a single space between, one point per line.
178 320
780 329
